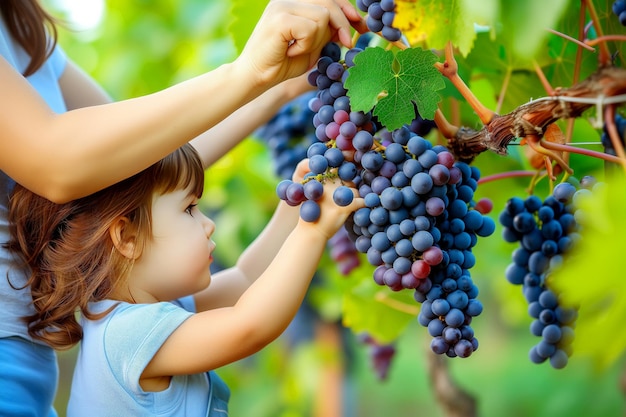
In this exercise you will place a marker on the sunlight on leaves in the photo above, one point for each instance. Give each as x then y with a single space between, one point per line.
394 84
593 276
435 22
245 15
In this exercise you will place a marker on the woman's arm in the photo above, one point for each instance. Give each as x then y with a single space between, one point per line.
70 155
65 156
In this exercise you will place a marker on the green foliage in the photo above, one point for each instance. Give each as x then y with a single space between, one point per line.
436 22
394 84
521 24
244 15
517 24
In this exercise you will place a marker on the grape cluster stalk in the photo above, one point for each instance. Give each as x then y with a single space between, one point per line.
419 224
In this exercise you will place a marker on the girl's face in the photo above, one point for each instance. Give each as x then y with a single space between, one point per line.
176 261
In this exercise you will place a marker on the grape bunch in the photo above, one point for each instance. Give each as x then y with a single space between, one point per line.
380 354
619 9
418 228
546 231
380 17
419 224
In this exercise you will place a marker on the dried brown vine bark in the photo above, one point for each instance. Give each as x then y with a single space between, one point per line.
533 118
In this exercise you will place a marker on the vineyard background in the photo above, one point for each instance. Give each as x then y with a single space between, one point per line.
318 367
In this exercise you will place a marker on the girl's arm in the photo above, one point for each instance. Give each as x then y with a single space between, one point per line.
214 338
70 155
228 285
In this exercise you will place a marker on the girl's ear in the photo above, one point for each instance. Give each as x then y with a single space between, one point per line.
124 238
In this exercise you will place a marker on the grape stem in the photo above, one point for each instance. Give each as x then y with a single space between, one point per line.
570 148
604 57
536 143
449 69
506 175
605 87
586 45
606 38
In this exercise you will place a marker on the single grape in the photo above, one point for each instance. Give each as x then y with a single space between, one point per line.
310 211
343 196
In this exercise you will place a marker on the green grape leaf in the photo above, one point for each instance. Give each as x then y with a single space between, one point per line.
393 84
378 311
436 22
592 275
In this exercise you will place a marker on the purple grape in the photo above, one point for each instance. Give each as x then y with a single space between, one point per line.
310 211
343 196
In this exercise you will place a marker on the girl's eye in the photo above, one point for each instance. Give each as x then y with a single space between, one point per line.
190 208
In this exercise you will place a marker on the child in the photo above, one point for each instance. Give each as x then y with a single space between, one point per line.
62 137
134 260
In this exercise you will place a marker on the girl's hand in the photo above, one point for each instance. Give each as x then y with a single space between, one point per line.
301 170
290 34
333 216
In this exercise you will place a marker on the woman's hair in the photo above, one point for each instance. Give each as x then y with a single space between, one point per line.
68 248
32 28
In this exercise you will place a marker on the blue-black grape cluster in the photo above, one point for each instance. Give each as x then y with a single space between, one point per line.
546 231
619 9
418 228
419 224
380 17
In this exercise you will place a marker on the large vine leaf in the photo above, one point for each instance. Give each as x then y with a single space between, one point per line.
436 22
593 279
393 84
378 311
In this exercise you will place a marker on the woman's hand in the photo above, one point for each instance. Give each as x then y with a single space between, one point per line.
290 34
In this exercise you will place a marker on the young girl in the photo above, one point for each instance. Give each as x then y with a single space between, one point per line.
122 255
62 137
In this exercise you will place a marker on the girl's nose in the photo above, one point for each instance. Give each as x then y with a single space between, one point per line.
209 226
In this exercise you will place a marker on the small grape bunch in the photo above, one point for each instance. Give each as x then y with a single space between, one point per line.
380 17
546 230
324 163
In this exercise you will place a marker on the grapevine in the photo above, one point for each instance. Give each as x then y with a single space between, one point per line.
418 177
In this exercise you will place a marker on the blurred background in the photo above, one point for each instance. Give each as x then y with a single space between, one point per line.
319 368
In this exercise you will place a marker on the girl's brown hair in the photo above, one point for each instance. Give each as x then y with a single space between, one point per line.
32 28
68 248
